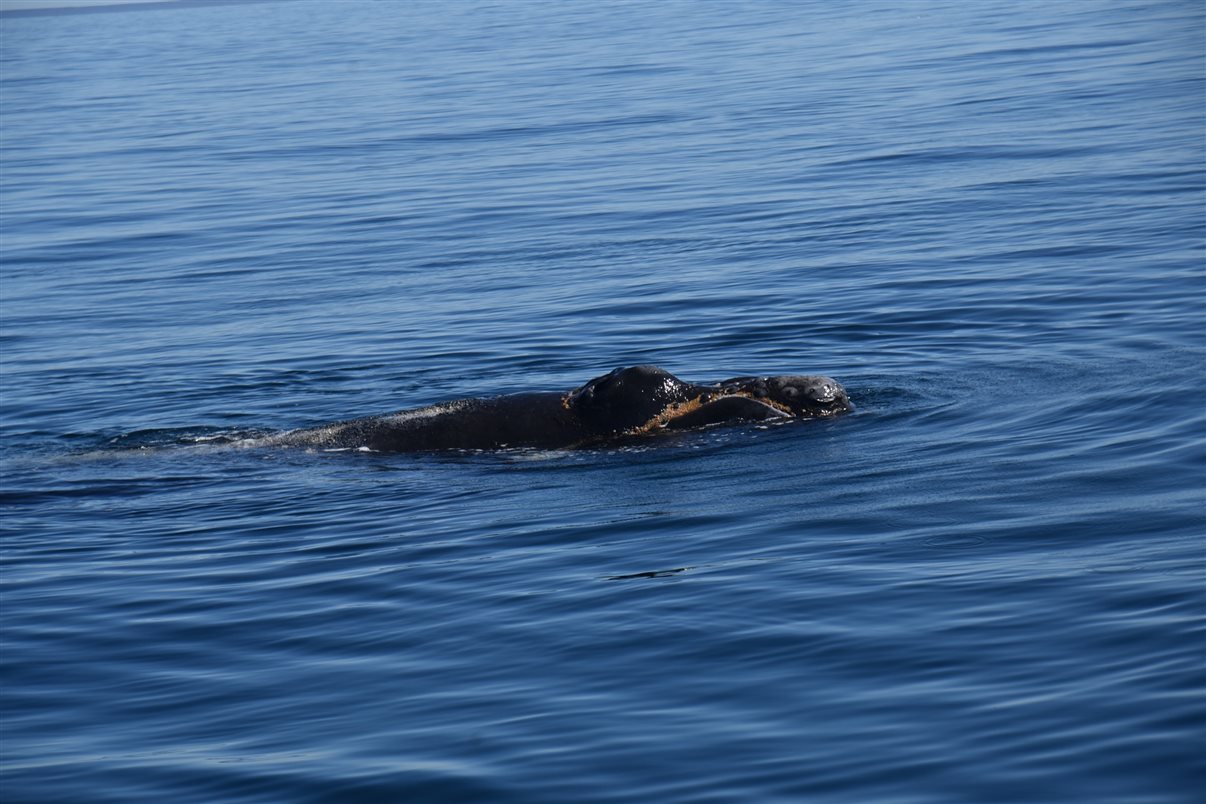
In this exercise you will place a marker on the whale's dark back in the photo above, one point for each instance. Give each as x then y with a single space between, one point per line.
628 398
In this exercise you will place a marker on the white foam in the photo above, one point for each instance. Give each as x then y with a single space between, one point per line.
429 412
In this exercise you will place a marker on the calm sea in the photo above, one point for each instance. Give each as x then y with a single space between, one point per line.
988 584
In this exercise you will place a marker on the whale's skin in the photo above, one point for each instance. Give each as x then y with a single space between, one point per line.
626 402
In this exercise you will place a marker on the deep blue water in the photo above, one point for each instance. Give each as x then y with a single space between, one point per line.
985 585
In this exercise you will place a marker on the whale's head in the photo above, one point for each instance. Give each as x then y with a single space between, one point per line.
804 396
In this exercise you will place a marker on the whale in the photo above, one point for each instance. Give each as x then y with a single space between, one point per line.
628 402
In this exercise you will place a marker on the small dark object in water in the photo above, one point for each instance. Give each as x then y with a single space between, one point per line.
649 574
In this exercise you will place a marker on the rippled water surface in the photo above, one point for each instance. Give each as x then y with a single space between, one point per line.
986 584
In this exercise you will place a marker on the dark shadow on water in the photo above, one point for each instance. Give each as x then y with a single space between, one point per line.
650 574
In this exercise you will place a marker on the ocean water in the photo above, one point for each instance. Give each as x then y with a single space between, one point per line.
987 219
